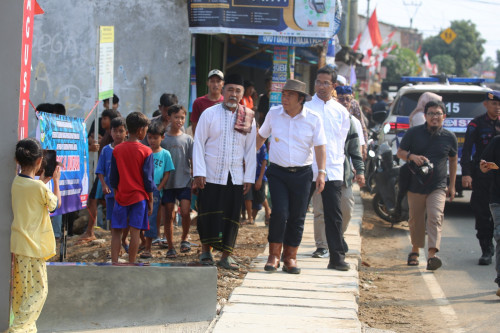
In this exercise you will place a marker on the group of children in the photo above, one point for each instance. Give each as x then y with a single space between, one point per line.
141 183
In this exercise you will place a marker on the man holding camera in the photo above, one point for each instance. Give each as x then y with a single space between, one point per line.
427 148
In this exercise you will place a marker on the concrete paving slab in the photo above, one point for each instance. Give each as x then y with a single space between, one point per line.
308 294
291 310
286 301
239 322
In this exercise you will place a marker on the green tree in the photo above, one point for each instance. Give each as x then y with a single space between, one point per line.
401 62
466 49
446 64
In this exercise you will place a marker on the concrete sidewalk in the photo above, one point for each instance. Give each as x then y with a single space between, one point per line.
317 300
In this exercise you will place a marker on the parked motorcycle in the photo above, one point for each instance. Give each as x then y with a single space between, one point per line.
383 180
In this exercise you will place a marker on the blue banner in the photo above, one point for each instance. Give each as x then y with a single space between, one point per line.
68 137
291 41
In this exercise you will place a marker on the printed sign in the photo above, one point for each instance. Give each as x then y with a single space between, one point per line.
291 41
280 74
24 90
310 18
106 61
68 136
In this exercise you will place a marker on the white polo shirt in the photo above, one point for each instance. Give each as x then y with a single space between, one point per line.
292 139
336 123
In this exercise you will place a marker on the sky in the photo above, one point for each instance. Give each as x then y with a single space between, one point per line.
432 16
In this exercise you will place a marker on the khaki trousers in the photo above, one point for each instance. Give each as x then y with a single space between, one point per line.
346 206
431 204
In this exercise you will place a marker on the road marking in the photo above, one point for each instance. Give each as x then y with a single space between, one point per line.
449 315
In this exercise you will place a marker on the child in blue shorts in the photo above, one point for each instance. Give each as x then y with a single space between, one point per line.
131 177
178 186
118 133
163 165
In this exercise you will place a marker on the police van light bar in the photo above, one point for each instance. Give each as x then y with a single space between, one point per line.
438 79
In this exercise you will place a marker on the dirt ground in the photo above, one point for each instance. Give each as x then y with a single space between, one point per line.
391 294
251 241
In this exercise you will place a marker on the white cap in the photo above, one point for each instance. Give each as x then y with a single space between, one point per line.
342 80
216 72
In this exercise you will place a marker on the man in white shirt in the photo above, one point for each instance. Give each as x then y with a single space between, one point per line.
294 130
219 153
327 211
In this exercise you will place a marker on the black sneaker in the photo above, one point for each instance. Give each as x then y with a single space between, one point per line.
320 253
343 266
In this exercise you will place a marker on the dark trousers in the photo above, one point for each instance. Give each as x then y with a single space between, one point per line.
331 196
479 201
290 194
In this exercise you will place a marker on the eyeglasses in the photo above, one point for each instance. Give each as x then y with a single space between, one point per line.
322 84
344 99
434 114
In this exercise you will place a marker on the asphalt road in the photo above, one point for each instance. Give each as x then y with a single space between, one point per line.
468 287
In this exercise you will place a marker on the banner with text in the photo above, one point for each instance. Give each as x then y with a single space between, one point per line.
280 74
263 17
68 137
106 61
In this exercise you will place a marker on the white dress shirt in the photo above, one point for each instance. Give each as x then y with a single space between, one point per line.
336 124
219 149
359 131
292 139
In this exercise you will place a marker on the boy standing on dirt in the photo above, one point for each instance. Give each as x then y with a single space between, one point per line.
162 167
131 177
178 186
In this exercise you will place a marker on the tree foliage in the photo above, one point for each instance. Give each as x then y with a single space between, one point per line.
401 62
466 49
446 64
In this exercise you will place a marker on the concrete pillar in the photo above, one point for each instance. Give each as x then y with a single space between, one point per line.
11 17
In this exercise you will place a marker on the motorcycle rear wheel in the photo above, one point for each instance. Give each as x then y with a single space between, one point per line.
380 209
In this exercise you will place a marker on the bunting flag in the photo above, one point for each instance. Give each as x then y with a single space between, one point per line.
370 37
38 9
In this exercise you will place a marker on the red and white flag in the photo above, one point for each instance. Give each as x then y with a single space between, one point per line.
427 61
418 51
370 37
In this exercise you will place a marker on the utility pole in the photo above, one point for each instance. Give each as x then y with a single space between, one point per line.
367 10
353 21
415 4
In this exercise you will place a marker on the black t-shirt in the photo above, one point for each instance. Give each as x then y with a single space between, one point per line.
437 148
492 154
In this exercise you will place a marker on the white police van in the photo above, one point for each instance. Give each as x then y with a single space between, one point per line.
463 98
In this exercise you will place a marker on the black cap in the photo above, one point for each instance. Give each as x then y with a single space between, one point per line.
234 79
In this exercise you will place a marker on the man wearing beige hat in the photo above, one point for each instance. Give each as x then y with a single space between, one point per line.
294 130
215 83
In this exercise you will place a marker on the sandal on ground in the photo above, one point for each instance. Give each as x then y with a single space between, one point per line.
141 248
185 246
206 258
228 263
163 244
247 222
146 255
171 254
433 263
158 241
412 259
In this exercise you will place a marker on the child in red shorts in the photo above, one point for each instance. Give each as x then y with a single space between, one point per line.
131 176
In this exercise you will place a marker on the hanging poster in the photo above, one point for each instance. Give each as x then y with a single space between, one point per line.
68 137
304 18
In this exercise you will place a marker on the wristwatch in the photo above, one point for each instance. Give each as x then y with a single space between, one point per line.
323 171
